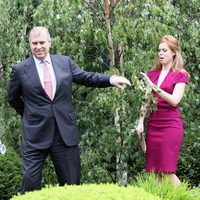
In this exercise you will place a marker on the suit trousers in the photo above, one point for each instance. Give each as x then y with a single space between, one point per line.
66 162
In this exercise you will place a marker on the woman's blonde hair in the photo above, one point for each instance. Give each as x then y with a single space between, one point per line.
173 45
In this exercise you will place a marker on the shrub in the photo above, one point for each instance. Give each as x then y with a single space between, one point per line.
48 174
10 174
189 162
88 192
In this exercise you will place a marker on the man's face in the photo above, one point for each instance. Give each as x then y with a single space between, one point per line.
40 44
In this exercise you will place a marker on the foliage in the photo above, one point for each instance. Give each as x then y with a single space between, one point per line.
137 28
10 122
49 174
10 173
89 192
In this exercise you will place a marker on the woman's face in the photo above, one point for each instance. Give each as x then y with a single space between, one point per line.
165 55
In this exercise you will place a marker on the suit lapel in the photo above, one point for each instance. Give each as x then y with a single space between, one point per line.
31 71
57 70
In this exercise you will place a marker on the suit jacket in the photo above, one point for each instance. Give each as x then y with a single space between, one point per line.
27 96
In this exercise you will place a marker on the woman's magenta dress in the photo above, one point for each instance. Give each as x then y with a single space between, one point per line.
165 127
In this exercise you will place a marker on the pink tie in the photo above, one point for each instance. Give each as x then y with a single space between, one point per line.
47 80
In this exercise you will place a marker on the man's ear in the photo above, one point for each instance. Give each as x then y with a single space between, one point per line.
49 42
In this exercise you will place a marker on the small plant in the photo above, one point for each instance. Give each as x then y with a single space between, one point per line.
165 190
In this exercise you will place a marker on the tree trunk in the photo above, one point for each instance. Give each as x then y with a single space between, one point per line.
110 41
120 166
122 178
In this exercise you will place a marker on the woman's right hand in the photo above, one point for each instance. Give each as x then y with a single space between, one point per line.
140 128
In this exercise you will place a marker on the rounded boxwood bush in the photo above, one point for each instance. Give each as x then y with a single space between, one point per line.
88 192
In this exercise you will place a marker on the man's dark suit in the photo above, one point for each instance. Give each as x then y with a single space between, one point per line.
42 116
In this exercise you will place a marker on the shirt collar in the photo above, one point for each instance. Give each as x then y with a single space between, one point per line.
47 59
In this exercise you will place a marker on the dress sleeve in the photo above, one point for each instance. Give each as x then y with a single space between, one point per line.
182 77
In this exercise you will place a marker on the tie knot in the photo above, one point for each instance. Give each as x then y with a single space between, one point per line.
43 62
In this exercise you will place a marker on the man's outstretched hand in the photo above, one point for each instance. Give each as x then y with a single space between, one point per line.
119 81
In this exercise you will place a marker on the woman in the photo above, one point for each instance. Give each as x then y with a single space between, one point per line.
164 135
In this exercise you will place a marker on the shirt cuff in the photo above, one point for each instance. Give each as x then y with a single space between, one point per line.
111 79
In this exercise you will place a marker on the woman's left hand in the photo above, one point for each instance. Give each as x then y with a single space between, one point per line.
146 78
148 81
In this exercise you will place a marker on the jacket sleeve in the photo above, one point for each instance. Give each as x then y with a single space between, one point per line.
15 93
89 79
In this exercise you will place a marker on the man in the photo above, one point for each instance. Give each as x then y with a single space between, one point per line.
40 90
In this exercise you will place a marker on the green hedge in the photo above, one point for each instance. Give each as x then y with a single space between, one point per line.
88 192
145 187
